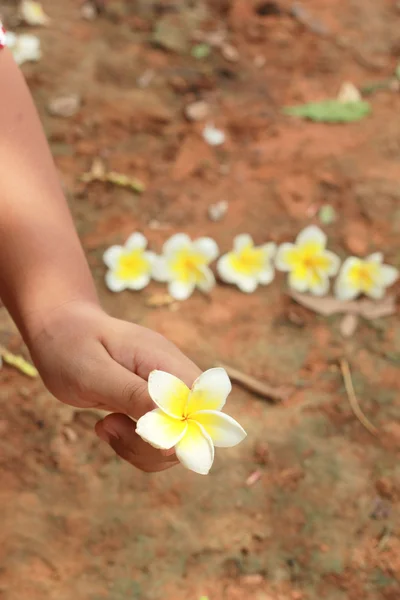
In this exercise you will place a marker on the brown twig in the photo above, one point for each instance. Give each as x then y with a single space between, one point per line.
276 394
355 407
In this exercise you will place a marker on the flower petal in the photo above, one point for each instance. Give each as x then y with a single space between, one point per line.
224 431
136 241
298 280
208 282
195 450
160 270
160 430
112 255
176 242
242 241
267 275
312 234
345 288
334 263
225 270
180 290
207 247
169 393
388 275
376 292
209 391
247 284
113 283
139 283
376 257
319 285
283 258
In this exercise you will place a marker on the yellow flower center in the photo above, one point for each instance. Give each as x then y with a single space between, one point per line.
308 262
187 266
364 275
132 265
248 261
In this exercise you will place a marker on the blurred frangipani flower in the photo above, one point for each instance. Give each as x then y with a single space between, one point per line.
247 265
190 420
184 265
367 276
308 262
129 265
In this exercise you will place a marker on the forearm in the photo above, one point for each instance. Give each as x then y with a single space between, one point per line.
42 264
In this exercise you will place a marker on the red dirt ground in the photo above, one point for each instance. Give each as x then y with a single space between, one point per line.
322 522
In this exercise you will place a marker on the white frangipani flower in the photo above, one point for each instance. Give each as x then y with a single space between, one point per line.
24 47
190 420
129 265
308 262
247 265
367 276
184 264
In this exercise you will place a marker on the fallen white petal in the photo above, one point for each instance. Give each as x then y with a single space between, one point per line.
376 292
112 255
312 233
160 430
177 242
168 392
181 291
113 283
195 450
136 241
207 247
209 391
242 241
223 430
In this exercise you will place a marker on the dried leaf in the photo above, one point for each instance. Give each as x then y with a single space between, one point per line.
99 173
18 362
330 111
159 301
329 305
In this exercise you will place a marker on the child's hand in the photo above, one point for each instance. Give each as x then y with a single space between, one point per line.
91 360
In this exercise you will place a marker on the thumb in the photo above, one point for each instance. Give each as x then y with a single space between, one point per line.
119 390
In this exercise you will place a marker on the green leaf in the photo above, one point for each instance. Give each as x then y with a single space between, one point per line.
201 51
330 111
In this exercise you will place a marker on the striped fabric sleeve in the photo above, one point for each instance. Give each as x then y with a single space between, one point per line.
2 36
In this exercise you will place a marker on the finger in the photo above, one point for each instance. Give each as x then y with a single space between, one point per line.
119 432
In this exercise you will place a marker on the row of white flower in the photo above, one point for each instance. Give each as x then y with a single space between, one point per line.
185 265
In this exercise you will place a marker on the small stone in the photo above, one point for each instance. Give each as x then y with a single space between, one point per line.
88 11
230 53
64 106
70 434
197 111
251 580
216 212
213 136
